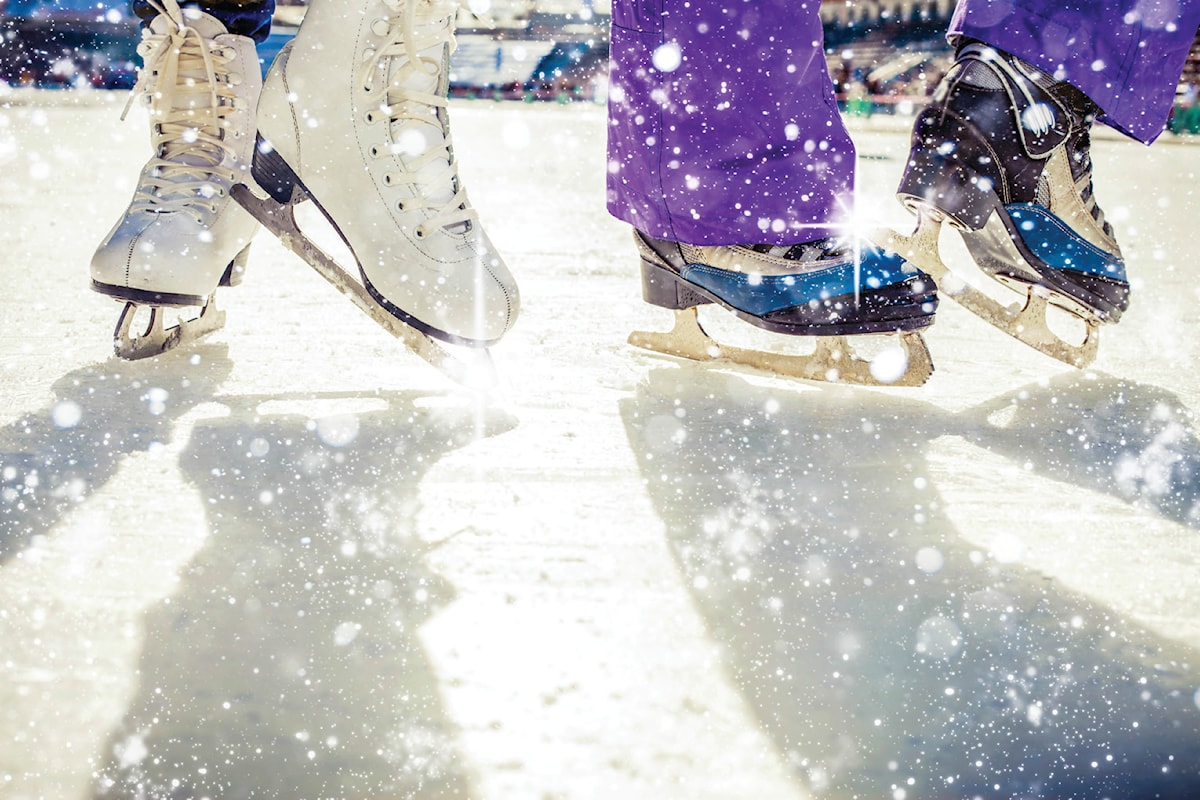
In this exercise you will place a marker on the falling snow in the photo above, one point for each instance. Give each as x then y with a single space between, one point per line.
293 561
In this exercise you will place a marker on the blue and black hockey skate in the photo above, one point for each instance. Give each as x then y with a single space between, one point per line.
823 289
1002 156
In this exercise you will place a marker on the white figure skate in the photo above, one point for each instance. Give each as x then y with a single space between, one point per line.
353 116
182 234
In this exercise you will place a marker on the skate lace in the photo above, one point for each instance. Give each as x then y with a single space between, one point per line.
1079 152
414 26
186 80
816 250
1038 118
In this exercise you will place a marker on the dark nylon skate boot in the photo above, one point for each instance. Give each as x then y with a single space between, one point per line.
823 289
812 289
1002 154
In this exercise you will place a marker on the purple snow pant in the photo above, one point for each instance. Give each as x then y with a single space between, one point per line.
723 128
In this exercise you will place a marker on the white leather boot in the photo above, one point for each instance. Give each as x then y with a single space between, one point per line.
183 234
353 115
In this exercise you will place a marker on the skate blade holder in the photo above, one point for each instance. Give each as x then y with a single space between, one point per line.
908 363
1024 320
470 367
134 340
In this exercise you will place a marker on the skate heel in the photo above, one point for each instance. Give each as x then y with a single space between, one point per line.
946 186
943 175
236 269
274 175
662 287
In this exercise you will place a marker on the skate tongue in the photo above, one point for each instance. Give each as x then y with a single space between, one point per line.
208 27
414 139
1042 121
190 96
181 78
416 97
805 251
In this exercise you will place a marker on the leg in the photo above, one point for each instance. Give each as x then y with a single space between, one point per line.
182 235
1124 55
729 158
1003 153
723 127
250 18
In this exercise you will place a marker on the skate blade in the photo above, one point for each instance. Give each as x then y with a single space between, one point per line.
472 368
833 361
1024 321
133 342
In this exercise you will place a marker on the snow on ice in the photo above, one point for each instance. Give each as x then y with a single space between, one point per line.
295 562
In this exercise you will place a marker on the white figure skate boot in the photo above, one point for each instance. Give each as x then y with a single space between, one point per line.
182 234
353 115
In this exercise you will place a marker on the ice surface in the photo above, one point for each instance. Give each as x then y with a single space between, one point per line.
295 562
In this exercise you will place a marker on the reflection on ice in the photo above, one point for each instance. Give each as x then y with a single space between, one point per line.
286 664
882 650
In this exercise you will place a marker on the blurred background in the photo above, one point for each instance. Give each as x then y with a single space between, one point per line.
885 56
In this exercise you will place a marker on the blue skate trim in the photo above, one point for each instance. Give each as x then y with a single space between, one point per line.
1059 247
760 295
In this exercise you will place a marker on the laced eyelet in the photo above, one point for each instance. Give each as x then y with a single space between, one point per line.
380 27
420 232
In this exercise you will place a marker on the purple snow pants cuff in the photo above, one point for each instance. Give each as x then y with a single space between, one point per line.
1126 55
723 128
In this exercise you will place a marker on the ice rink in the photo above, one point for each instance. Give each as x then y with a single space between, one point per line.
295 562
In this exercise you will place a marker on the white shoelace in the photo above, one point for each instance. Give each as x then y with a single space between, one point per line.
413 26
187 81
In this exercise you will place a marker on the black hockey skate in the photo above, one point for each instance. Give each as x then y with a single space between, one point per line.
822 289
1002 155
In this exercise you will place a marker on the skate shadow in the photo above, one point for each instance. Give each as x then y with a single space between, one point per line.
54 459
288 663
881 651
1124 439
